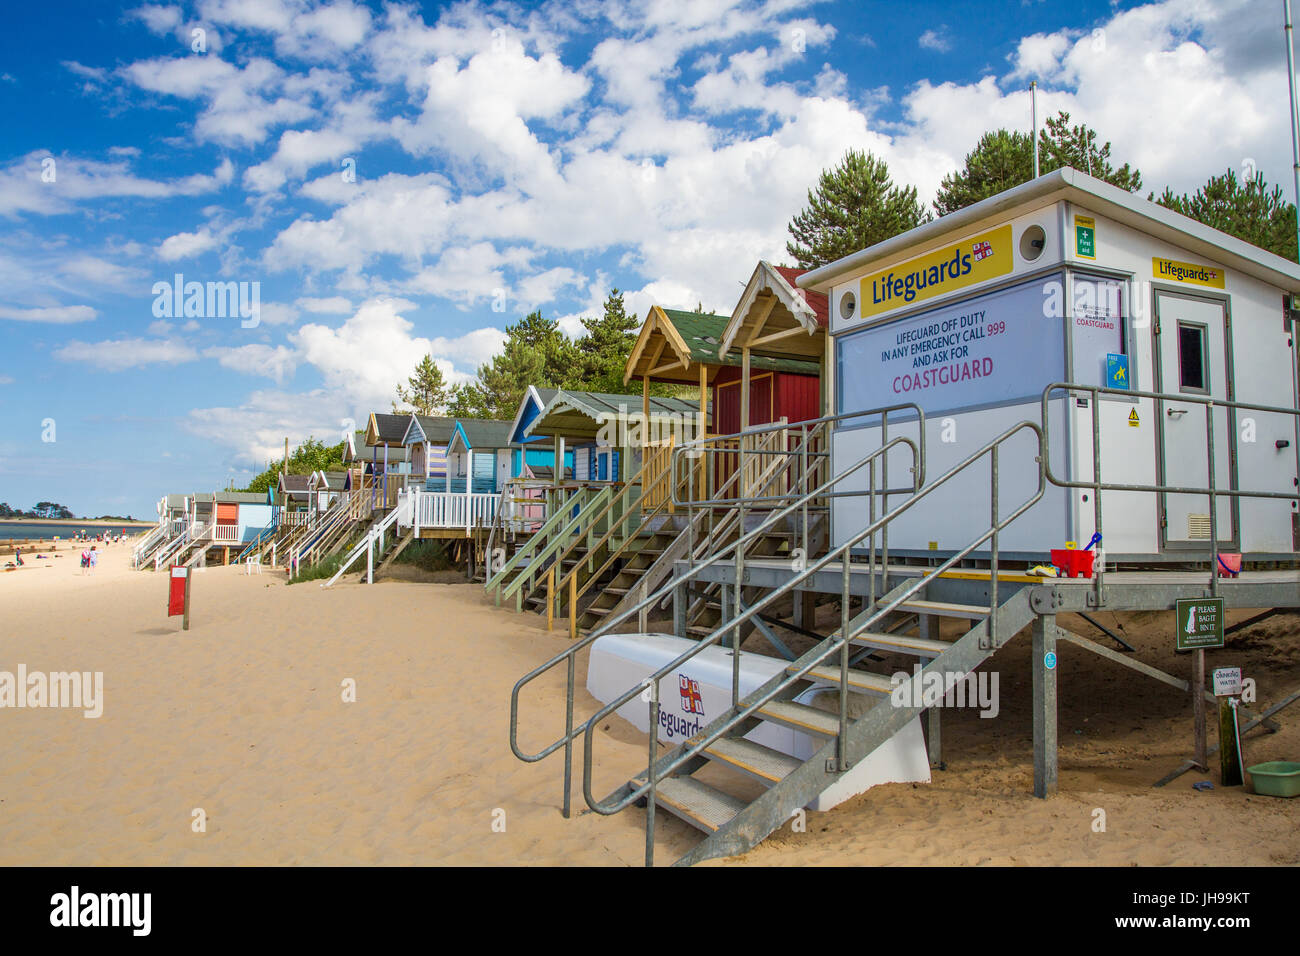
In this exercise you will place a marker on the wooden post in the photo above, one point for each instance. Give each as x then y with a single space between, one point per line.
185 618
744 389
550 598
573 607
1198 709
1231 771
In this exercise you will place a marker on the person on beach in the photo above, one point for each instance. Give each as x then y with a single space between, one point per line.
94 558
85 561
18 553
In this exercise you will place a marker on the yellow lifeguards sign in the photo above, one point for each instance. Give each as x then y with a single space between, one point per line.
974 259
1188 273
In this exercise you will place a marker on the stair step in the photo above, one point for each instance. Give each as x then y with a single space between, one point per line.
697 803
810 720
858 680
763 763
945 609
904 643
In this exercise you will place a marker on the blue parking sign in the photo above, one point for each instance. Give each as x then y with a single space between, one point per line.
1116 371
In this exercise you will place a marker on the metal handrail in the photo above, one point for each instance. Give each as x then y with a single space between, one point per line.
744 539
838 641
1097 486
696 447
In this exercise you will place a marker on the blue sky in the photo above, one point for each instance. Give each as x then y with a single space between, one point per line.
399 180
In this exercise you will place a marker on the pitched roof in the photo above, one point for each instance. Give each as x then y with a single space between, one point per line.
703 335
485 432
817 301
572 412
293 483
241 497
387 429
437 430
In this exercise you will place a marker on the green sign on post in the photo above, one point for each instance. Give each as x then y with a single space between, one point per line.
1199 623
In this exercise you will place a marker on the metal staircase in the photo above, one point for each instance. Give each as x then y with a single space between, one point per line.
840 662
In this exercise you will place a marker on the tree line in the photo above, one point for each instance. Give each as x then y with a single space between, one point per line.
42 509
857 204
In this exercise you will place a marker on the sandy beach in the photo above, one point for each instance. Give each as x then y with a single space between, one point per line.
243 718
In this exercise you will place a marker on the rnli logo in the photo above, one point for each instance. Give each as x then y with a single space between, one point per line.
982 250
692 702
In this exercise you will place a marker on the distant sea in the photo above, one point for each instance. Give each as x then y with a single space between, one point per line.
45 529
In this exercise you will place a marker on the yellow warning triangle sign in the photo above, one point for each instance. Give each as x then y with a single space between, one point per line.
1133 418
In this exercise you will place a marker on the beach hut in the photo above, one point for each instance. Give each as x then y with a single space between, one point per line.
240 516
326 487
426 439
604 432
480 459
747 387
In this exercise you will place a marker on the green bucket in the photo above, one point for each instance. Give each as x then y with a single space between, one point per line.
1277 778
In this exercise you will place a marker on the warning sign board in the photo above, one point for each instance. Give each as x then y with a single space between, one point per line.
1133 418
1199 623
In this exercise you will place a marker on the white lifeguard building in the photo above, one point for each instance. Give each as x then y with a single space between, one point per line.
1069 280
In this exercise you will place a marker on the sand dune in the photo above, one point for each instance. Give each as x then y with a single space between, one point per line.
243 717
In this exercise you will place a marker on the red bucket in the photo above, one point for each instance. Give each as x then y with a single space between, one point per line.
1229 565
1073 562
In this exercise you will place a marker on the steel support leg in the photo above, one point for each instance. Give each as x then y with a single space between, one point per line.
1044 672
681 606
929 629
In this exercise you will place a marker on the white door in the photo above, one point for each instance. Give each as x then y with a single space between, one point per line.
503 467
1193 351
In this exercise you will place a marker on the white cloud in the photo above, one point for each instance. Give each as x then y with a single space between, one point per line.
186 245
334 305
43 183
160 20
118 354
278 313
940 40
276 362
55 314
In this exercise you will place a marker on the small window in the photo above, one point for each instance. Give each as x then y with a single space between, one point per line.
1192 372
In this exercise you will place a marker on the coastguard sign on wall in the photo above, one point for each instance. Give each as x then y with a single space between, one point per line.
975 259
996 347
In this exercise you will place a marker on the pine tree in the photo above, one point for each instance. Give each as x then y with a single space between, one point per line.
855 205
606 345
1249 211
1005 158
427 389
